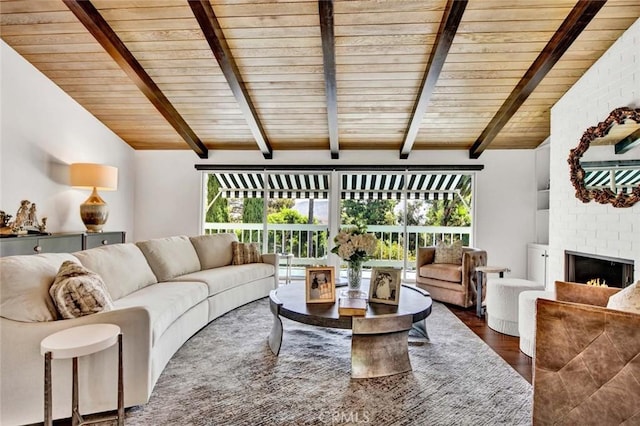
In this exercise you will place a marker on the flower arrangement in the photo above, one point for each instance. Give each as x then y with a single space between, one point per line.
354 245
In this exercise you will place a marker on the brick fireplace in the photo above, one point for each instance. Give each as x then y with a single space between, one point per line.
582 267
592 228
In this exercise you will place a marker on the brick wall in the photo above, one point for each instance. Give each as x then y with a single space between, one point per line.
612 82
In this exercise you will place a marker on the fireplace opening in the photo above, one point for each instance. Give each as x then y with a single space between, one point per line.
583 267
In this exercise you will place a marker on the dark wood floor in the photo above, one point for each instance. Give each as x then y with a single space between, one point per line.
505 346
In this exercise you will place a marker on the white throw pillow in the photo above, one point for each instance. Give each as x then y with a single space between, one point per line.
214 250
122 267
626 300
24 286
170 257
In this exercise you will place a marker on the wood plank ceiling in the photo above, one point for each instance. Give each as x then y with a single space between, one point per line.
337 75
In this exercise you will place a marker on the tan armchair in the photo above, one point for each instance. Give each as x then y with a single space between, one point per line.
587 360
450 283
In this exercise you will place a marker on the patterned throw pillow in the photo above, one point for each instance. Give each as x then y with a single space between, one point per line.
77 291
626 300
449 253
245 253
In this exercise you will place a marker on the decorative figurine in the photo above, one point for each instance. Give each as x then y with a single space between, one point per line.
4 223
32 219
4 219
22 216
26 219
43 225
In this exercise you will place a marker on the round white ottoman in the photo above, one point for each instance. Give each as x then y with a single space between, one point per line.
527 318
502 303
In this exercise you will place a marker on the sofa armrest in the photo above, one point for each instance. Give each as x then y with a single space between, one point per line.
470 259
473 257
425 256
584 355
585 294
273 259
22 367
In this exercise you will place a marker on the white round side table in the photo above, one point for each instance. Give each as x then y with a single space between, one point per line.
73 343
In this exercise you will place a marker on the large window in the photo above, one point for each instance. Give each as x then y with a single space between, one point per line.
293 218
292 212
408 210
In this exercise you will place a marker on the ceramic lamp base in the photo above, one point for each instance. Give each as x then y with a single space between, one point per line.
94 212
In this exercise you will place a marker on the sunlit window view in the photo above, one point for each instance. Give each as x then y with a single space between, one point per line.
404 211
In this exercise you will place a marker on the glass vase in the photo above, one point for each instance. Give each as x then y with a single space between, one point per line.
354 281
354 275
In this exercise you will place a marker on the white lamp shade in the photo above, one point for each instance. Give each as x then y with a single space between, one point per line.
89 175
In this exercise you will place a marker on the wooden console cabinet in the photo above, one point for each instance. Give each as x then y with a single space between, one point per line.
57 243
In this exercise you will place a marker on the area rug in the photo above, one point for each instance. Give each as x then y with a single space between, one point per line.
226 375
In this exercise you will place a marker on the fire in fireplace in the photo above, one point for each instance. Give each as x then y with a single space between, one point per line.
582 267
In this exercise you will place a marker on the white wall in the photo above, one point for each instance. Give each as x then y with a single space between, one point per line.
612 82
168 192
42 131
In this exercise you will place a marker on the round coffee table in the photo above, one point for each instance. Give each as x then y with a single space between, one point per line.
379 339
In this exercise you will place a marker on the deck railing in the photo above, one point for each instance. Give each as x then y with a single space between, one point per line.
309 243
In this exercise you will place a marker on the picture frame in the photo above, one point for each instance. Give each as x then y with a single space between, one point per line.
385 285
320 284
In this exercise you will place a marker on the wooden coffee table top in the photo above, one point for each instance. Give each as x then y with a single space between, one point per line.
289 301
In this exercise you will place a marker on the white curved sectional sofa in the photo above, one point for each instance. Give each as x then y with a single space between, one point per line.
164 291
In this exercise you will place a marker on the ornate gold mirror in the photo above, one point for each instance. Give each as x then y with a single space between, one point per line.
610 171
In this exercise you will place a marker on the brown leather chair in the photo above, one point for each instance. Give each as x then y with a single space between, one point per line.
450 283
587 360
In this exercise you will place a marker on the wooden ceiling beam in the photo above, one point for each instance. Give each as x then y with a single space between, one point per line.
448 27
325 10
89 16
579 17
212 31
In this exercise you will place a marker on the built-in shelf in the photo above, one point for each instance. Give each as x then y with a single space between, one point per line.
543 185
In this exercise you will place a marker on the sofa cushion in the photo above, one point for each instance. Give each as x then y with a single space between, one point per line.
170 257
165 303
123 268
442 271
77 291
226 277
214 250
449 253
24 286
626 300
244 253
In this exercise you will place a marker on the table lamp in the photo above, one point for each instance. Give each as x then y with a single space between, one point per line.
94 211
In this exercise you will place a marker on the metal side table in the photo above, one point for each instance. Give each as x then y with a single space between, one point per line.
481 272
73 343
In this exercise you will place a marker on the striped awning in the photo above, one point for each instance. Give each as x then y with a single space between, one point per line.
437 186
624 180
354 186
423 186
240 185
360 186
298 186
250 185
